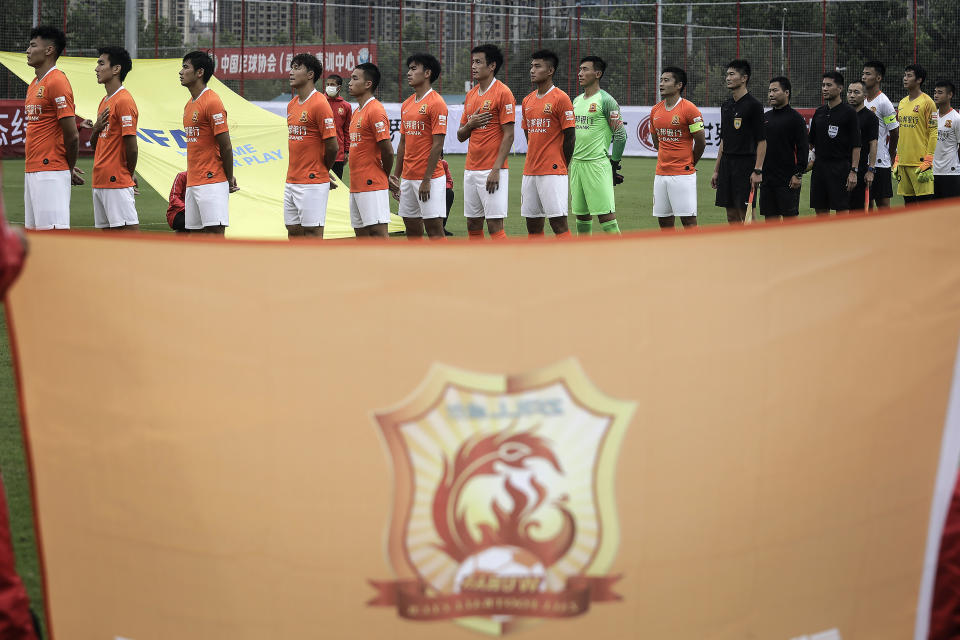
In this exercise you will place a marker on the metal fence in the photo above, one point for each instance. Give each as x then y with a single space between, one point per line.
253 39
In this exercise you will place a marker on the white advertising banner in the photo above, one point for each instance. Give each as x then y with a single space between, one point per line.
636 120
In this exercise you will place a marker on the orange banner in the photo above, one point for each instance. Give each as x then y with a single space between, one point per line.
234 439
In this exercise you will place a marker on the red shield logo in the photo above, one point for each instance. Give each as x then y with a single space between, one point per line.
504 509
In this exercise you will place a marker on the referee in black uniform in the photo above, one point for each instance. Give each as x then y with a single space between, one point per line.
742 146
869 132
786 158
835 138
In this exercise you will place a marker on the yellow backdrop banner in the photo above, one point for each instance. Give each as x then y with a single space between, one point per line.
721 435
259 142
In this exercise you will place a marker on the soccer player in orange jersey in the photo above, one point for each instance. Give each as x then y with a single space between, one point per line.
52 140
209 151
677 128
370 157
418 180
114 140
548 123
487 122
312 150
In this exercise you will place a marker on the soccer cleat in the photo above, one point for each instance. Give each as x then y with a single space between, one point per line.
925 170
617 177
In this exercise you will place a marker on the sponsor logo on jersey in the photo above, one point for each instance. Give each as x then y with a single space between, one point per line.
380 124
126 121
509 492
61 102
218 118
442 120
737 122
508 108
328 122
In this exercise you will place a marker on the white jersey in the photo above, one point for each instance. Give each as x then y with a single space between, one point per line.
945 160
887 115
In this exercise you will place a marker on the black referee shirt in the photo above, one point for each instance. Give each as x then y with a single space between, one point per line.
787 147
741 125
869 130
834 133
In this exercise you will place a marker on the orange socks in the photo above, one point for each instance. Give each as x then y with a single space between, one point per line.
475 235
499 235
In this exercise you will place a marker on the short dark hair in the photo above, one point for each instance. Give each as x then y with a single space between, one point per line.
372 74
784 83
428 62
741 66
547 56
51 34
491 53
201 60
947 85
598 64
853 82
679 75
117 56
309 61
919 72
336 79
877 66
836 76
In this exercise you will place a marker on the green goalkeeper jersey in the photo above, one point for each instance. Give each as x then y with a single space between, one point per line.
594 134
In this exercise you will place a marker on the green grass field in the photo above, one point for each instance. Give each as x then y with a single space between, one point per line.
634 205
634 197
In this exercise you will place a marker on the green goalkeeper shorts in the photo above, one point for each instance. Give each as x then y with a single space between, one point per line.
591 187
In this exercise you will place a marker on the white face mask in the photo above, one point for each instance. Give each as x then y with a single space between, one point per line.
331 90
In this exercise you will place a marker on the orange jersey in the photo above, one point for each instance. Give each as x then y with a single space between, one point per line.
110 158
368 126
308 124
544 119
420 120
203 120
485 141
675 128
49 99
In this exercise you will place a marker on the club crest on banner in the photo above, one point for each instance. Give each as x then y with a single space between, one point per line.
504 510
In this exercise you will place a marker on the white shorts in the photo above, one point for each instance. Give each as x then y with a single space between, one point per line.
207 205
477 203
46 200
114 208
675 196
305 204
410 205
543 196
369 207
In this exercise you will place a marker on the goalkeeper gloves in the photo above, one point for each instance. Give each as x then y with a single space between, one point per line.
617 177
896 167
925 170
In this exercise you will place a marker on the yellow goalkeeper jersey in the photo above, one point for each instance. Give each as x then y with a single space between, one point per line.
918 129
